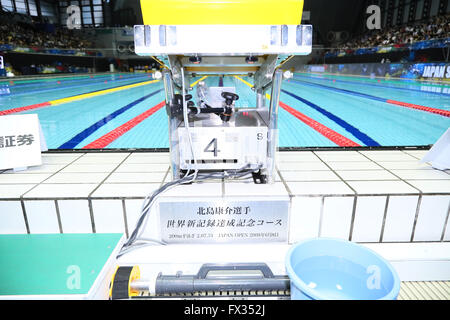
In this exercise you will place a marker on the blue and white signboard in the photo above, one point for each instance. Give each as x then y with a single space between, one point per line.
21 141
4 88
2 69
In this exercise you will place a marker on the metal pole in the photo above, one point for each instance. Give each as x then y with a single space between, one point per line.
58 13
259 98
173 125
272 139
81 12
92 13
27 7
38 8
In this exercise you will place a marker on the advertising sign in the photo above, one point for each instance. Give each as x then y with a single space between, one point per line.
424 71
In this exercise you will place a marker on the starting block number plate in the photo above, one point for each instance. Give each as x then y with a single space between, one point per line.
224 221
235 145
213 146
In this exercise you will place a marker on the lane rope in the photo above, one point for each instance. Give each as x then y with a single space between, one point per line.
74 141
441 112
76 97
368 141
370 85
111 136
332 135
327 132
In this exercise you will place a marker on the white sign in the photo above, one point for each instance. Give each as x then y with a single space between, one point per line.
436 71
224 221
2 65
20 141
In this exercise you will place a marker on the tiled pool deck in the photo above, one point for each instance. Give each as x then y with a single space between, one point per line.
363 196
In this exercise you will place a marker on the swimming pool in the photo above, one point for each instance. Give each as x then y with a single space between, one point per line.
127 110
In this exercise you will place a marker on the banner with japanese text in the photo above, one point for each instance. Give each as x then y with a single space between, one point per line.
20 141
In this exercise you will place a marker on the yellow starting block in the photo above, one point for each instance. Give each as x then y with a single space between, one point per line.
208 12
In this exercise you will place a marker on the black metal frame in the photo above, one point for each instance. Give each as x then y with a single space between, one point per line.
426 10
412 11
388 7
27 8
281 149
443 5
400 12
390 13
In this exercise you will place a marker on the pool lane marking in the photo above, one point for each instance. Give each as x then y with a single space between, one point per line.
76 97
328 133
111 136
81 83
371 85
31 81
368 141
441 112
74 141
196 82
325 131
247 83
39 82
101 92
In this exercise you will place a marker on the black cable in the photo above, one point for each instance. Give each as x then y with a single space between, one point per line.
133 236
233 174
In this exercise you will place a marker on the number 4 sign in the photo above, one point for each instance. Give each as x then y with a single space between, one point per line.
21 141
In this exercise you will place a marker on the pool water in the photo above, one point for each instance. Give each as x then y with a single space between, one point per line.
125 110
336 278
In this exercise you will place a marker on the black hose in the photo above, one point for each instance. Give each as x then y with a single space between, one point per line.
196 110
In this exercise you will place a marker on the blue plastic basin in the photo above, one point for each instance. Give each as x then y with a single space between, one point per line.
335 269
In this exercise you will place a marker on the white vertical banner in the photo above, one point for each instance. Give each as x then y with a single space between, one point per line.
42 138
20 141
439 154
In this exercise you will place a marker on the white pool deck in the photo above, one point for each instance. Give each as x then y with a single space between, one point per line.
363 196
386 200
